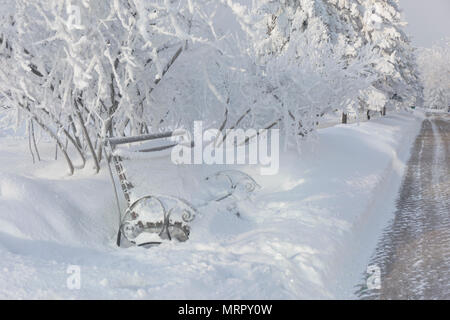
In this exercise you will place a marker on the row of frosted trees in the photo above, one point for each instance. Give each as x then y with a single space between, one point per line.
434 66
83 70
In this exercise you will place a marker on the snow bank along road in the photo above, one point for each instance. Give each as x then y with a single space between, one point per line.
307 233
414 252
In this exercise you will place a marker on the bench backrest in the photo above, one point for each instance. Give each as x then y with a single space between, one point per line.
113 142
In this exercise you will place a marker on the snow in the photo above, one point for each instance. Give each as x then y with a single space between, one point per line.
307 233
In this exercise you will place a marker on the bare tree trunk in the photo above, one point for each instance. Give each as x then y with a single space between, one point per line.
29 140
34 140
236 124
99 149
74 141
86 136
74 129
107 127
67 143
54 136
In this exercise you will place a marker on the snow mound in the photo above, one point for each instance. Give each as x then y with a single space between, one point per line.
306 234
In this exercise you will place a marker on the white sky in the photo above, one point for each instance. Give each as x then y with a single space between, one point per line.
428 20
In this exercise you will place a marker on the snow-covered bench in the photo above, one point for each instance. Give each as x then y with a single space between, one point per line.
154 218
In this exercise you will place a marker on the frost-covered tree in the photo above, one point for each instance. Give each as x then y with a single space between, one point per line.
435 74
397 79
317 43
91 69
83 70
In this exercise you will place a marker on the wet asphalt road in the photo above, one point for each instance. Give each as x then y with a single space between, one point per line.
413 254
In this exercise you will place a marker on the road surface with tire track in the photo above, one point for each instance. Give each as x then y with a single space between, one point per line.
413 255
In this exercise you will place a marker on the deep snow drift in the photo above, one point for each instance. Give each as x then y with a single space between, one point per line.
308 233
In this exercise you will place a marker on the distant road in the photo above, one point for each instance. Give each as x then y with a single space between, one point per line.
414 251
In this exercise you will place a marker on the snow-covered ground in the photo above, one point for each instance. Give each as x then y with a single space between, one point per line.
307 233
